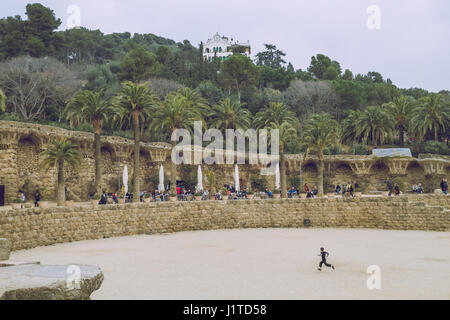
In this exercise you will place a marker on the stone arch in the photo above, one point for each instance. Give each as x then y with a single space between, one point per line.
379 173
343 168
414 168
341 173
415 173
28 150
310 167
380 169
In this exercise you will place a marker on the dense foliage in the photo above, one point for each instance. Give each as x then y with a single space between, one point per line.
42 70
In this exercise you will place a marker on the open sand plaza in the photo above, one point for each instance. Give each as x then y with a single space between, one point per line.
262 264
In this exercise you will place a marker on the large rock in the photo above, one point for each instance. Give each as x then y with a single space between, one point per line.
40 282
5 249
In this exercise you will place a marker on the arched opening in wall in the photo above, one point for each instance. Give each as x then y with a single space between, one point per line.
343 169
415 173
379 173
342 173
107 159
28 151
380 169
310 168
309 174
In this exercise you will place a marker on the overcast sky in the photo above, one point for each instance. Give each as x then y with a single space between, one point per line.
411 47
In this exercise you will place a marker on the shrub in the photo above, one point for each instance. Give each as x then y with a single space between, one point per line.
332 150
258 183
360 149
432 182
435 147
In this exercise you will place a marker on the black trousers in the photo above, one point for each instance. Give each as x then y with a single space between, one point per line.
325 263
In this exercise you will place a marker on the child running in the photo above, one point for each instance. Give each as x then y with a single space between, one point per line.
324 255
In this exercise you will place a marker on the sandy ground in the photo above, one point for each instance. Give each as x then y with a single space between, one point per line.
262 264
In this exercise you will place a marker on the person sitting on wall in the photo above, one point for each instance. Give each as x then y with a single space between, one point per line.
419 188
338 190
307 191
114 197
291 192
397 190
315 191
344 189
444 186
218 195
103 199
350 190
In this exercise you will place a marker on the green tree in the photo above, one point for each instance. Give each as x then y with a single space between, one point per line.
90 107
229 115
178 111
431 117
320 131
375 125
350 127
134 99
330 73
271 57
348 75
163 54
400 110
319 64
239 72
287 133
61 152
41 25
275 112
139 65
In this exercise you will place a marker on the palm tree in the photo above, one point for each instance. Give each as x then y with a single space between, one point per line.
229 115
375 125
61 152
431 117
2 101
320 131
349 127
275 112
287 133
400 110
176 112
135 99
90 107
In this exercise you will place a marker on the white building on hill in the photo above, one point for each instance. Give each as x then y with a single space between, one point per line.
222 47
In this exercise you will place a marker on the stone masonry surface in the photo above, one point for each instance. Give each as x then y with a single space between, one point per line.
33 227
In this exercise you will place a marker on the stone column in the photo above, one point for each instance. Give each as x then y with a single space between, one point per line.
9 173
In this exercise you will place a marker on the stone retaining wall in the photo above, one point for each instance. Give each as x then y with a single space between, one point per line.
28 228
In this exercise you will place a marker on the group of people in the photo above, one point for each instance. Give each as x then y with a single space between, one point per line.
393 188
311 193
417 188
346 189
22 197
